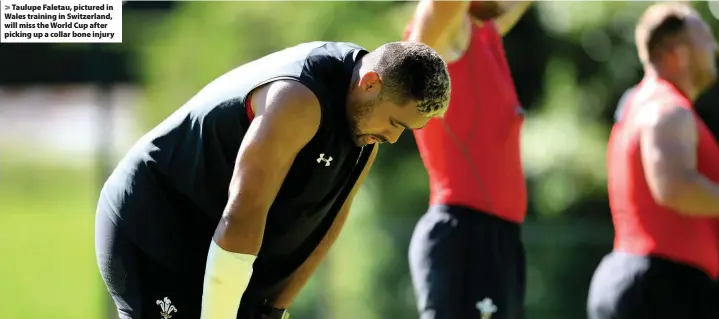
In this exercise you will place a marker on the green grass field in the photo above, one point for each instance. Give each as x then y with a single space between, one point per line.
47 262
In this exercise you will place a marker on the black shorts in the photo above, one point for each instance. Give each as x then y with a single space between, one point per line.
464 263
144 288
628 286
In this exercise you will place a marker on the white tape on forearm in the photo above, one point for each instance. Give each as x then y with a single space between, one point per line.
227 275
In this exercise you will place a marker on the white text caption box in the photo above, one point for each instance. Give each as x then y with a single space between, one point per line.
61 21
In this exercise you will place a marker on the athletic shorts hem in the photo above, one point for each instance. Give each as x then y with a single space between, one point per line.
123 315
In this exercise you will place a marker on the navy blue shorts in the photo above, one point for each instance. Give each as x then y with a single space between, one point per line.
628 286
141 286
466 264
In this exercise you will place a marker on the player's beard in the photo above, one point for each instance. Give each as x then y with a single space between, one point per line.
360 112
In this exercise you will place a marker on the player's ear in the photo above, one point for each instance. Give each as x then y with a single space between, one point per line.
371 83
680 55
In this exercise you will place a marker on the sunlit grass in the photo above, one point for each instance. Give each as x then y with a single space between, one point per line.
46 230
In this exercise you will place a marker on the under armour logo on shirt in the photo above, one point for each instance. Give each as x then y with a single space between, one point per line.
326 160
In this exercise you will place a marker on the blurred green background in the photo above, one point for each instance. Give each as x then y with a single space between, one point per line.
571 63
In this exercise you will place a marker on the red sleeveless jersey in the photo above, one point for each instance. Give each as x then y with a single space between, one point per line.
472 156
642 226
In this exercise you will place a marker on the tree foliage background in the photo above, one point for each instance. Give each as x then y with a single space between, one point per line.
571 62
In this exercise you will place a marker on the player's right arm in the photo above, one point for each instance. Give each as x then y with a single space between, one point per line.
439 24
668 146
287 116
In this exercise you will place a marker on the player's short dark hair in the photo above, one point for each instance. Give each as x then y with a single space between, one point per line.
413 72
659 24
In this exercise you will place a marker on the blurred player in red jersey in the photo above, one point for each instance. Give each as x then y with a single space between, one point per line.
663 165
466 254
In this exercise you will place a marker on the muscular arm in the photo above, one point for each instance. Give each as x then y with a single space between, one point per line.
287 116
668 149
514 11
303 274
438 24
442 25
265 156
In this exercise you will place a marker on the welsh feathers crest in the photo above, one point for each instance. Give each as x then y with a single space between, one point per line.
166 308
